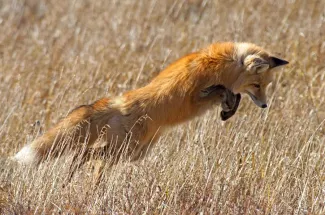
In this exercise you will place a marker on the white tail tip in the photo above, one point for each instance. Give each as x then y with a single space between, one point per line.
26 155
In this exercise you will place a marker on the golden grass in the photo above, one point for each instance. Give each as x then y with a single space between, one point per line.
56 54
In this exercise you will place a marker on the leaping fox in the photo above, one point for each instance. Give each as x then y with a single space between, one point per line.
131 123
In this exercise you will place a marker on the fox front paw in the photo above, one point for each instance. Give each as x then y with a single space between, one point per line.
227 114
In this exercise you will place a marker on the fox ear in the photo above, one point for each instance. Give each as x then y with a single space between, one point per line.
278 62
255 64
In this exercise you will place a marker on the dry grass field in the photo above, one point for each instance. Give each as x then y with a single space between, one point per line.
57 54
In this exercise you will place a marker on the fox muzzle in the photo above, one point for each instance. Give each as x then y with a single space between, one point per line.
258 102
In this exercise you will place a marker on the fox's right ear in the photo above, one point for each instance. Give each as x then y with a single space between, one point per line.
255 64
277 62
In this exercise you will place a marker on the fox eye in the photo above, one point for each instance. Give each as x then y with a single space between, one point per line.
257 86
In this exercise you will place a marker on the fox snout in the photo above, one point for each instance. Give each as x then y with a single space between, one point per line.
259 102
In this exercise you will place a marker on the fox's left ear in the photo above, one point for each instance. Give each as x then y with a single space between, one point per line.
275 62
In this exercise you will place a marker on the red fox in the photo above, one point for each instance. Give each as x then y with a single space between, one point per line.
129 124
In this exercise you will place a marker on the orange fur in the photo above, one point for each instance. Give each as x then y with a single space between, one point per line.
138 116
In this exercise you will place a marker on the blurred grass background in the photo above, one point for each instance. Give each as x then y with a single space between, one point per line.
55 55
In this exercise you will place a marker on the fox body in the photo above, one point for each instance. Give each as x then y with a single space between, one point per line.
185 89
119 127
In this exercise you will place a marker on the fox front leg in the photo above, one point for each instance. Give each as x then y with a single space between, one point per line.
211 92
227 114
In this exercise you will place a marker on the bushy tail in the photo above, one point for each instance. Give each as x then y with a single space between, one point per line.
34 152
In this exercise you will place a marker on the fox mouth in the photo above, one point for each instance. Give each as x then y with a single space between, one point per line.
256 101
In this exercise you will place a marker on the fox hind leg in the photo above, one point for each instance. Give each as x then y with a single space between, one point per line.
78 160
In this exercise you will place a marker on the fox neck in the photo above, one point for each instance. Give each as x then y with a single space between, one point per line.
230 79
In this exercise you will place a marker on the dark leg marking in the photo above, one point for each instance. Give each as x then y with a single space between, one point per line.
227 114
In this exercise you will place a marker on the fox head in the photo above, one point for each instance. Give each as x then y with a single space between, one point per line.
257 70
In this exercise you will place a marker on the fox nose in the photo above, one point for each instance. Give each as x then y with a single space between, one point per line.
264 106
